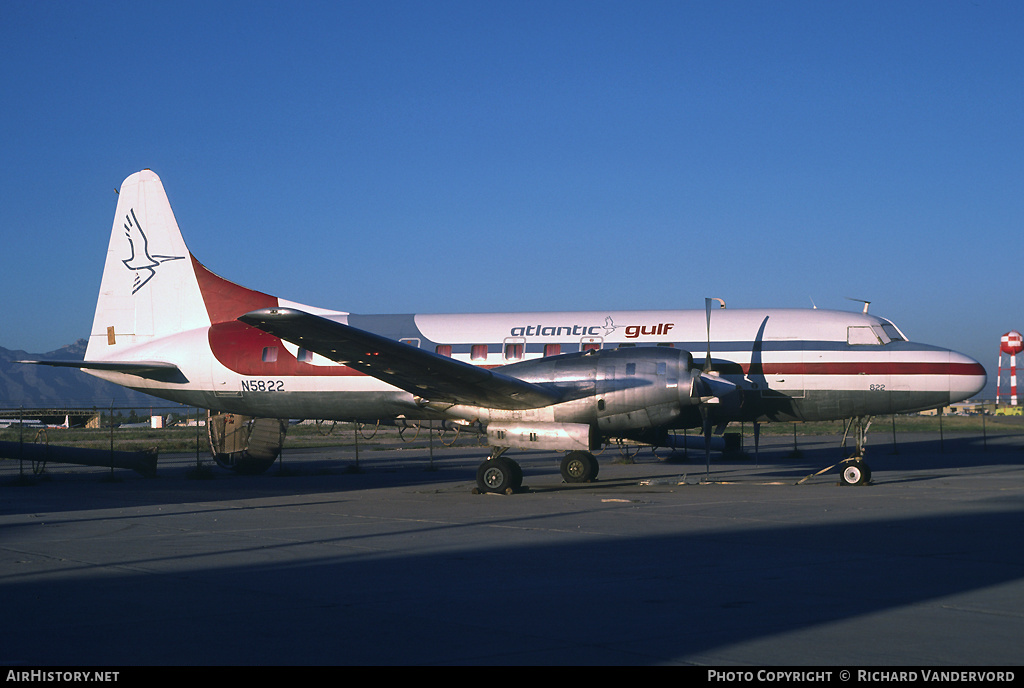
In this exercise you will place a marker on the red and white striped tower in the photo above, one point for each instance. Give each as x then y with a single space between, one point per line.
1011 343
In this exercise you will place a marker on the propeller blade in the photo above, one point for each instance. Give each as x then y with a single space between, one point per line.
757 442
705 415
708 393
707 358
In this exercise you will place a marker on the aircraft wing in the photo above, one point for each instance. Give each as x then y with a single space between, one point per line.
422 373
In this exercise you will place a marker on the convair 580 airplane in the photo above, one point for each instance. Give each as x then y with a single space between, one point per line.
567 382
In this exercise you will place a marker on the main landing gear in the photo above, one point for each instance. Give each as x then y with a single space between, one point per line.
502 475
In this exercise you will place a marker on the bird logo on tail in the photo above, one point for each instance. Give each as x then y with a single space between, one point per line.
141 262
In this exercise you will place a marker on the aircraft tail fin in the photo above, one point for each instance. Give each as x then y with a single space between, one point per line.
152 287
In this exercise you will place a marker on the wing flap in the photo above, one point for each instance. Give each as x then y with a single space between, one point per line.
422 373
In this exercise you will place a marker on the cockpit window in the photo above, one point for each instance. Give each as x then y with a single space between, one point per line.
882 335
893 332
862 336
874 335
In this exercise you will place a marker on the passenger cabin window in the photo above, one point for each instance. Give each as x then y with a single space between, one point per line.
552 349
478 352
631 369
304 356
443 350
514 351
269 354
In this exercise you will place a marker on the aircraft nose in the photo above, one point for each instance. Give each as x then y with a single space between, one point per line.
967 377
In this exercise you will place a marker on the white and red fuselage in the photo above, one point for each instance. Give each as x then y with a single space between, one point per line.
160 306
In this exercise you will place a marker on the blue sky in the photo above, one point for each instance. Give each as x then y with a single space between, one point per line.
489 156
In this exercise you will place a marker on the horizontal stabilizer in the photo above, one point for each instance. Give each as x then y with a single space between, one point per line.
156 370
422 373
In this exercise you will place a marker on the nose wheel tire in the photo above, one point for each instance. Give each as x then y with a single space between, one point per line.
855 472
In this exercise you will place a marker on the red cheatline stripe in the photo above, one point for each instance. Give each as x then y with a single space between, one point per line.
875 368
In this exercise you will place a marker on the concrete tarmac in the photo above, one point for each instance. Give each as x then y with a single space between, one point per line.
658 562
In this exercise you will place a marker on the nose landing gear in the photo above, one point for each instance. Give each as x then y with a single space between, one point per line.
855 471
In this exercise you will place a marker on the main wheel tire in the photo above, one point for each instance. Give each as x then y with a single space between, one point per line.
497 475
579 467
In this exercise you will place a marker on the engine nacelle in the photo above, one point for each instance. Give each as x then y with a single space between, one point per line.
616 390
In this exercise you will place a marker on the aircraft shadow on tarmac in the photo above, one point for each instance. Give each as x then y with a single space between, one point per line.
624 600
295 576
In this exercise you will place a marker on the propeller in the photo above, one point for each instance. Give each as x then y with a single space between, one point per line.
710 389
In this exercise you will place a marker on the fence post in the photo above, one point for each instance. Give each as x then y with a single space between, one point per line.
355 429
111 438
